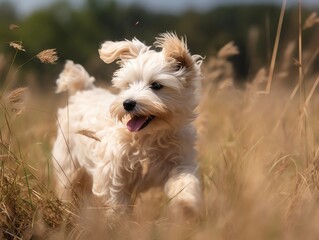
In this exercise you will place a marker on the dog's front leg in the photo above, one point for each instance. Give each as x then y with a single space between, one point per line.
110 186
183 188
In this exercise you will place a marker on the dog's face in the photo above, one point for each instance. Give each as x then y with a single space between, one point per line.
159 90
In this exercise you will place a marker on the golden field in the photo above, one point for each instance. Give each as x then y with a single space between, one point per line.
258 150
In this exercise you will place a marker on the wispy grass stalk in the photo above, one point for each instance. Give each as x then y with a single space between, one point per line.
275 49
302 83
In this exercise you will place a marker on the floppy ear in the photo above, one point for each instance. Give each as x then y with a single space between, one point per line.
175 49
123 50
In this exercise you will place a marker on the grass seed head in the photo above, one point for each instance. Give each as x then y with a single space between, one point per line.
13 27
89 134
311 21
17 46
48 56
230 49
17 100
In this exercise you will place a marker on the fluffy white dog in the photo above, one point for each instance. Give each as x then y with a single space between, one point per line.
142 137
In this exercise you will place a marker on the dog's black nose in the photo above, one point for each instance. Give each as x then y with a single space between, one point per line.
129 104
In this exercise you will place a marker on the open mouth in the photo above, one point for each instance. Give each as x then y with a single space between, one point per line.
137 123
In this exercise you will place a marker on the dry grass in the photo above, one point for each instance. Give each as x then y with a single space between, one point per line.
258 155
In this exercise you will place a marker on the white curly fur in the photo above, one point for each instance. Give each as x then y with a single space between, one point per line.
115 157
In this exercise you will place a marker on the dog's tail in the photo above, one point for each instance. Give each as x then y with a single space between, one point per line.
74 78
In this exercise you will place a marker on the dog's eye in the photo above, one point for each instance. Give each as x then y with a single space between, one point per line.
156 86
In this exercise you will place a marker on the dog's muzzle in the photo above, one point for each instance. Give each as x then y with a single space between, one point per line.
136 123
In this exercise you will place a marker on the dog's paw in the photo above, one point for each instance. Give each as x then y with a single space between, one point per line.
189 211
186 211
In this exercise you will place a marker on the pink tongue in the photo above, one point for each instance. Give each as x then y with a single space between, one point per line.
135 123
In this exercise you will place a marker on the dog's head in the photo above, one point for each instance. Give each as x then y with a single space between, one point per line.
159 89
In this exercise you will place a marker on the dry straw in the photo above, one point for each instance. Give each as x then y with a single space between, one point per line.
275 49
89 134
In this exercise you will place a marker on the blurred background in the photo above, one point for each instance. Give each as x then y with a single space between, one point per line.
77 28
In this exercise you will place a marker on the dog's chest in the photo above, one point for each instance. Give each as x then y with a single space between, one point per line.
155 163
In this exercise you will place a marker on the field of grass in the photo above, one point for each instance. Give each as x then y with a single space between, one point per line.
258 151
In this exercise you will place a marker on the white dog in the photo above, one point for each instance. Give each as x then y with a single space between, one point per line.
148 124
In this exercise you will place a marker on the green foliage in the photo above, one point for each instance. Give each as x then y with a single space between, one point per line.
77 32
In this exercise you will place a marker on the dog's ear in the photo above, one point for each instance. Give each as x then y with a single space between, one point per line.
123 50
175 49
